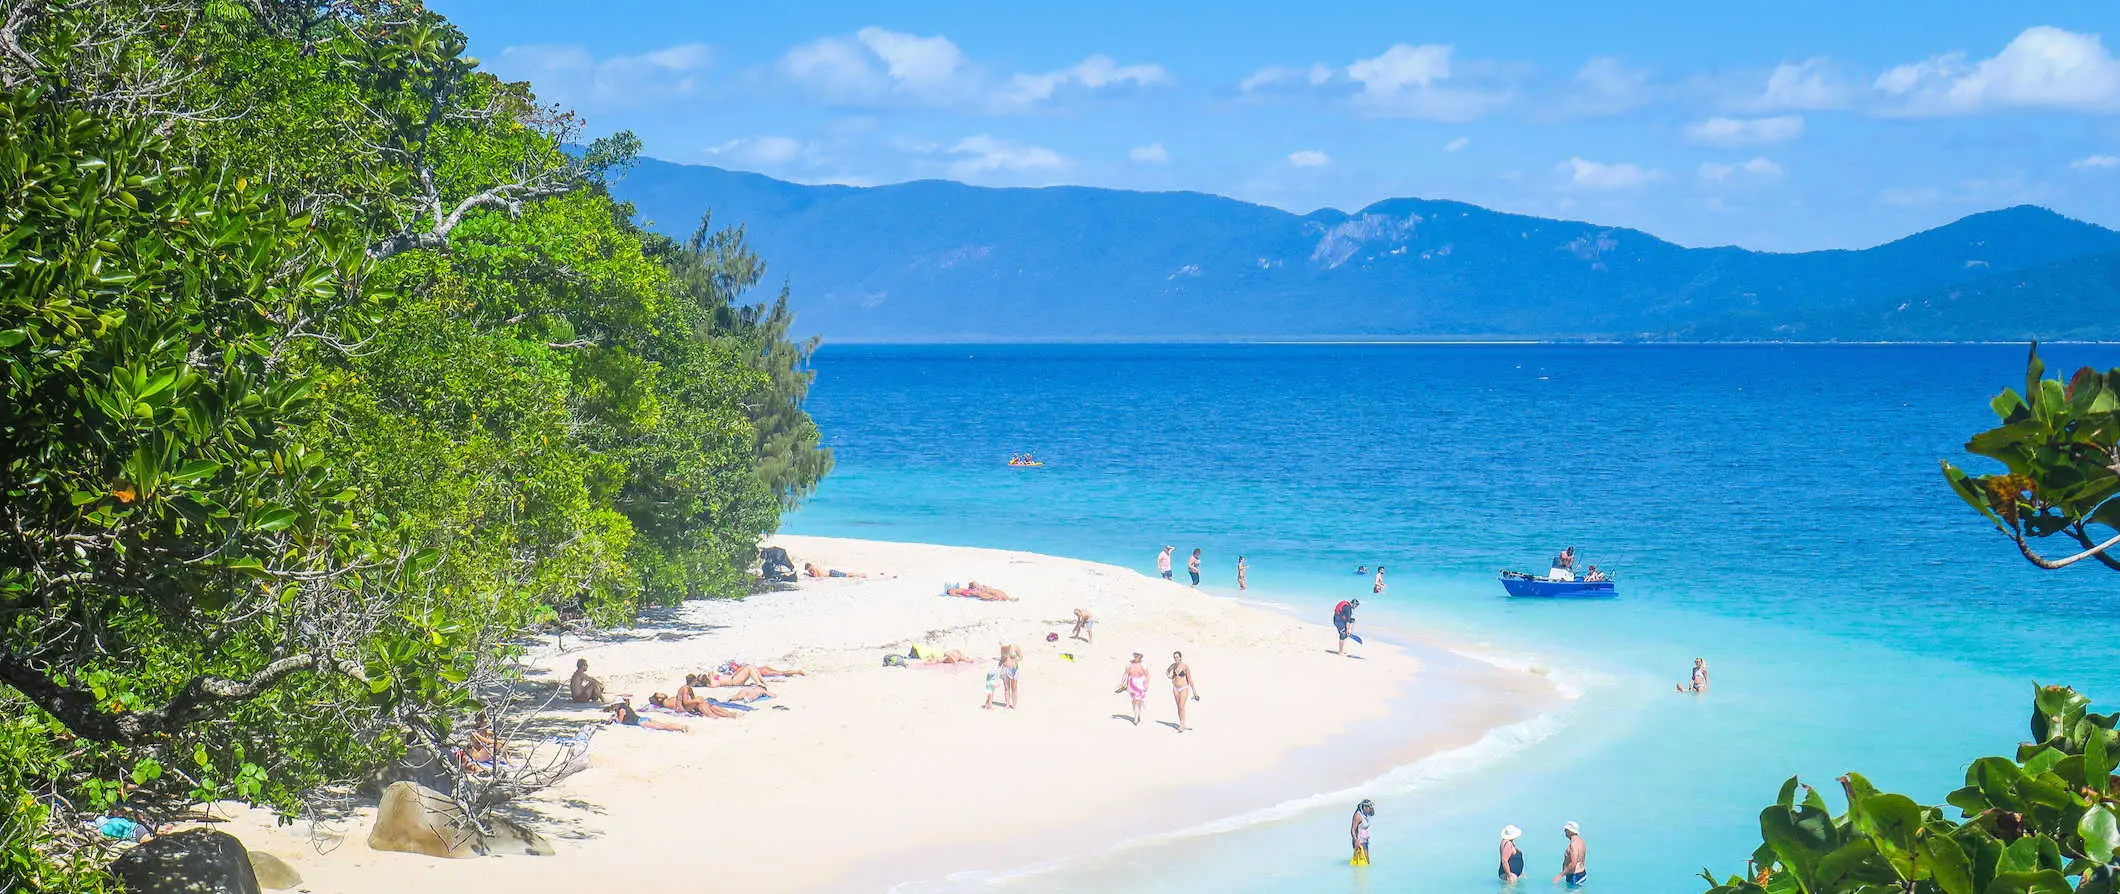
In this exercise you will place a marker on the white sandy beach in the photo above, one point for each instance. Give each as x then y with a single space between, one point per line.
876 776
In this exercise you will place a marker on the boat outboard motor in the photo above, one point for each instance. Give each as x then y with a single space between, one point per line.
775 565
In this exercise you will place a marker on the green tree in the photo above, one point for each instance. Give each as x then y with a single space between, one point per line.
2026 824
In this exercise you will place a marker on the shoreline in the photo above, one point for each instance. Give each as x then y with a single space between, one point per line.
878 777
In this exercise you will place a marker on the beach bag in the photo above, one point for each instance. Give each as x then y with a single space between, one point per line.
894 660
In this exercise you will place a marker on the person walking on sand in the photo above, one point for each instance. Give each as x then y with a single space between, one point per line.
1163 561
1512 860
1135 685
1378 587
1358 830
1182 685
1572 860
1241 568
1343 621
1011 670
1192 566
1700 678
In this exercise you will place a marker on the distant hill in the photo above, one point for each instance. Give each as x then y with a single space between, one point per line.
942 261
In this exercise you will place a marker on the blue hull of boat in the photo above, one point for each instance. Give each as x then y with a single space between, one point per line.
1560 589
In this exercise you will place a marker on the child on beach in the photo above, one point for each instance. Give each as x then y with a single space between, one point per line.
993 682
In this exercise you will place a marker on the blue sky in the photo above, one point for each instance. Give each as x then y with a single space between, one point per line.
1789 125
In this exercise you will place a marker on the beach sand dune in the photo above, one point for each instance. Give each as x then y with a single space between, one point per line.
876 775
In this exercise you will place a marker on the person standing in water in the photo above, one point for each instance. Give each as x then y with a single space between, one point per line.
1182 685
1163 561
1135 685
1358 831
1512 860
1241 568
1378 587
1700 678
1192 566
1573 859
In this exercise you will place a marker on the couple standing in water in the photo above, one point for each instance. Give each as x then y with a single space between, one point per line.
1183 687
1192 566
1574 861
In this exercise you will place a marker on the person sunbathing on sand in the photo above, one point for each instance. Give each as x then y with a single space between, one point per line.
624 715
689 702
732 674
742 693
976 590
812 569
732 666
952 656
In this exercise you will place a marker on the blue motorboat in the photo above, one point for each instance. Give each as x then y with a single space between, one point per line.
1531 586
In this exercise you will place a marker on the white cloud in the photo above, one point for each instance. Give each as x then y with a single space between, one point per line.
569 75
1598 175
1606 86
983 153
1408 82
1095 73
1151 154
1317 75
1719 131
1800 86
1455 145
919 63
833 69
2095 161
1309 158
759 151
2043 67
1758 170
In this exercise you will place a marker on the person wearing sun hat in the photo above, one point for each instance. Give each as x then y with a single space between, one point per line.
1512 862
1572 859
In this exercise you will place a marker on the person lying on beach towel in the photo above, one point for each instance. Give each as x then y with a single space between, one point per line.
976 590
742 694
689 702
733 666
930 655
812 569
624 715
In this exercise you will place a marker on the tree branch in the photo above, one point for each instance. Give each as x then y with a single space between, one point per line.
83 714
2097 551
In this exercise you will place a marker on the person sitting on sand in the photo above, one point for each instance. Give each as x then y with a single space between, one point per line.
1085 626
582 687
813 570
977 590
481 748
1700 678
1135 685
624 715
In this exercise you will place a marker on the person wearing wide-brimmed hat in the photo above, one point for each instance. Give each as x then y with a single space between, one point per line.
1512 862
1572 860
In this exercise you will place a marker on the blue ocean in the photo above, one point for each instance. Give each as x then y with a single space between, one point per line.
1777 510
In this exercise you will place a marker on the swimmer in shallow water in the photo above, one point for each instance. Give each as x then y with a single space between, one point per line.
1699 685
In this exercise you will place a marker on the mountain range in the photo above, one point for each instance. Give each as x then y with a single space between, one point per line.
943 261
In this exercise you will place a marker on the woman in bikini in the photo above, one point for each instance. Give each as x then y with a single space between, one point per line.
624 715
1182 685
1241 568
1011 668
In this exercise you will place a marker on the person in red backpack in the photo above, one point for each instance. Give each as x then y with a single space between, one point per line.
1343 620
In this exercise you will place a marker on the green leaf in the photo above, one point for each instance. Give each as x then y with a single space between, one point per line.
12 337
2020 856
276 519
2044 881
2100 829
1948 866
1894 818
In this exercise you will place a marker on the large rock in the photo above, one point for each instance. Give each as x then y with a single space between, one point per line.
273 872
417 820
195 861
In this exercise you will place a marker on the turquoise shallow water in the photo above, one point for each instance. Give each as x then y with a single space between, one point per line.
1776 510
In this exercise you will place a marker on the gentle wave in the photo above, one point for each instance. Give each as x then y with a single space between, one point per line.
1491 748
